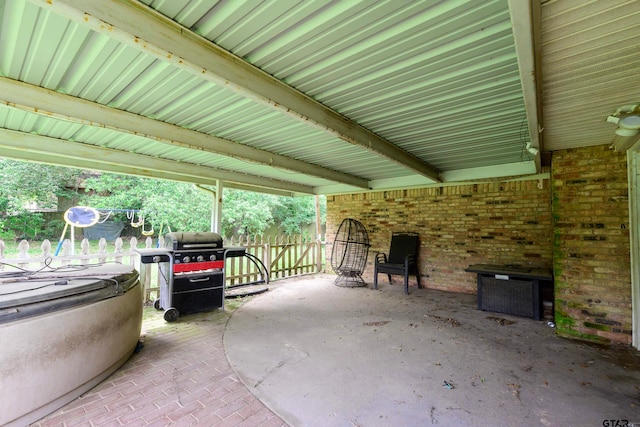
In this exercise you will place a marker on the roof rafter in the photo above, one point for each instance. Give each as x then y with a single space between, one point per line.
139 26
45 149
49 103
526 36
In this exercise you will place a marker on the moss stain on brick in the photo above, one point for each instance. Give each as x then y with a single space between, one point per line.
596 326
563 320
575 229
583 238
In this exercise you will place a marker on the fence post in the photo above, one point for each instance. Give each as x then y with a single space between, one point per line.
266 255
66 252
23 253
133 254
118 250
45 247
84 251
102 250
162 273
256 274
318 254
288 256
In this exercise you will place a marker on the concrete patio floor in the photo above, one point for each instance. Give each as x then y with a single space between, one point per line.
309 353
322 355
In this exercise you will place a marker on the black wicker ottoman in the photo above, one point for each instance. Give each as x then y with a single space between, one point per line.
511 289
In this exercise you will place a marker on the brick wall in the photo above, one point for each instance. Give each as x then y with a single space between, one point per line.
579 226
497 222
591 244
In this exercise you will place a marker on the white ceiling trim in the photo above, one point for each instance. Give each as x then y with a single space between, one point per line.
509 169
136 25
86 156
525 170
69 108
525 37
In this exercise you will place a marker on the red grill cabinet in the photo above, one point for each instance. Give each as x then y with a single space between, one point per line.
191 271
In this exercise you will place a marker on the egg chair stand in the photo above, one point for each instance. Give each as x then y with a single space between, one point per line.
349 253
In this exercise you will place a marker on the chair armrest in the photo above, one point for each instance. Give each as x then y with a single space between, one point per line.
409 259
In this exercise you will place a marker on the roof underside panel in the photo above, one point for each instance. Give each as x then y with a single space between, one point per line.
131 81
410 72
591 57
439 80
13 119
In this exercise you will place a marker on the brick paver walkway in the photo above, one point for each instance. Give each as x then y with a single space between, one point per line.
181 377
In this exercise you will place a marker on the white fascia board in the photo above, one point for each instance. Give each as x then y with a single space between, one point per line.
457 177
495 171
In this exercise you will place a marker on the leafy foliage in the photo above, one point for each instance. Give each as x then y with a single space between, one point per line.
24 225
244 212
164 205
293 213
169 205
31 184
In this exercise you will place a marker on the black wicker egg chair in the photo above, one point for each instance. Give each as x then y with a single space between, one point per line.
349 253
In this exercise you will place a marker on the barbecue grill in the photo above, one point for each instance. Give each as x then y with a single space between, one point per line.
192 272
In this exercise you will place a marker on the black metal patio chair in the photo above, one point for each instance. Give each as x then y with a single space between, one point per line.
402 259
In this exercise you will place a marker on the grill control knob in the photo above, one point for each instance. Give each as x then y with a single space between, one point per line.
186 259
200 258
212 257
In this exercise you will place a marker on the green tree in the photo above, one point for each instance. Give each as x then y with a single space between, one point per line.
244 212
164 205
28 185
293 213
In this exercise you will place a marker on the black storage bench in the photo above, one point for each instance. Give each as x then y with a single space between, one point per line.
511 289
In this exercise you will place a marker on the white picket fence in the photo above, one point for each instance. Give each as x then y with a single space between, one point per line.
282 256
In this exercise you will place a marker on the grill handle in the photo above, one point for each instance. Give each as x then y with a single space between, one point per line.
204 279
199 245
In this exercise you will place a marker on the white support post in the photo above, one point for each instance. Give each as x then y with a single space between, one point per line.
318 242
216 213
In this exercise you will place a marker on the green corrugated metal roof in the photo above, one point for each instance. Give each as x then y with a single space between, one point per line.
309 96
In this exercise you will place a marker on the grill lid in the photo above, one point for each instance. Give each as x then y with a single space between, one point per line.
204 240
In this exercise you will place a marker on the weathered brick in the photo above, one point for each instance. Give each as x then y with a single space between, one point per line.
505 222
577 222
591 243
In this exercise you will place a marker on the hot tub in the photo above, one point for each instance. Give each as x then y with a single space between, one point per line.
61 333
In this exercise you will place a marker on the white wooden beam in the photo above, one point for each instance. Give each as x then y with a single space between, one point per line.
139 26
51 159
69 108
524 19
217 206
44 149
